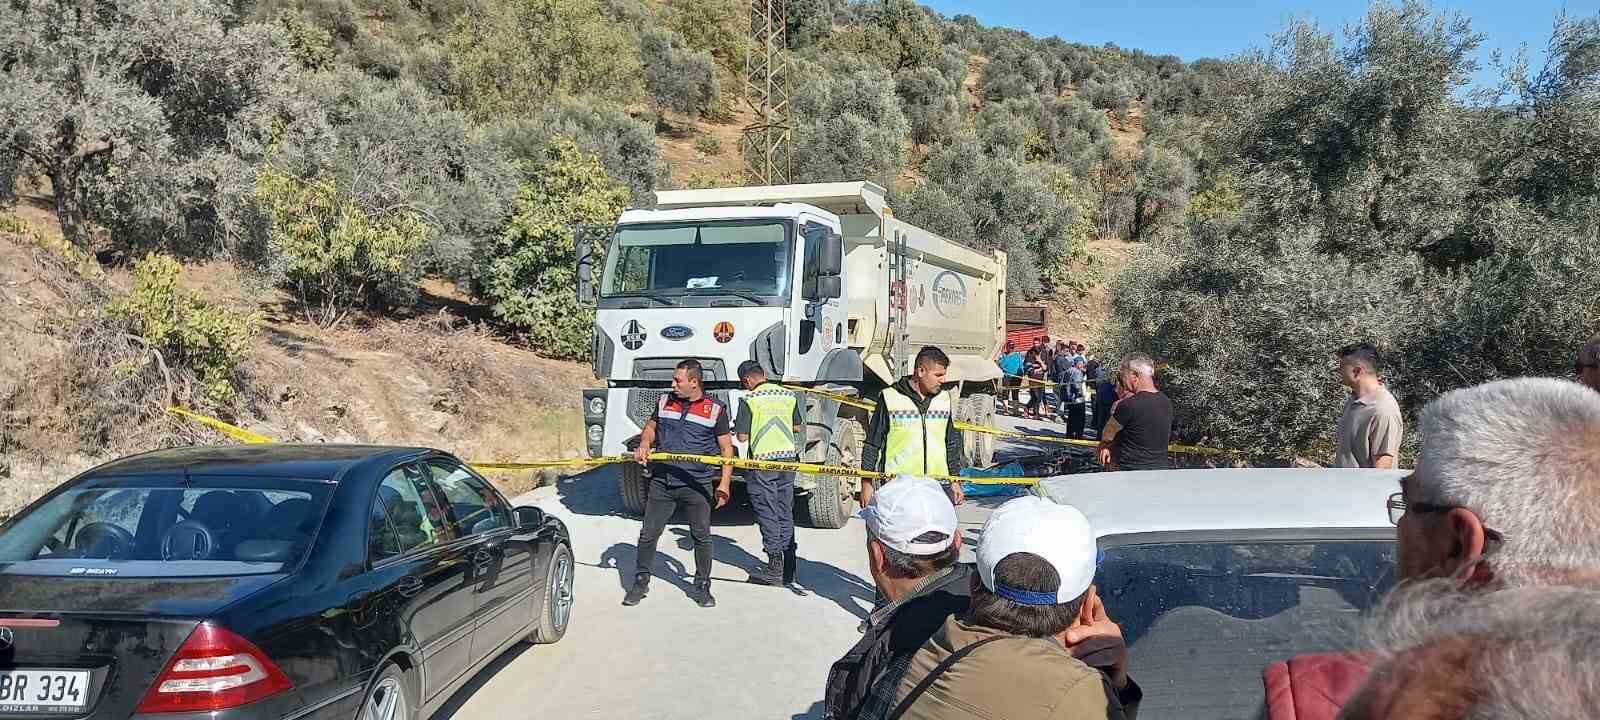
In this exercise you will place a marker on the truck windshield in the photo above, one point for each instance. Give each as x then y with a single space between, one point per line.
739 257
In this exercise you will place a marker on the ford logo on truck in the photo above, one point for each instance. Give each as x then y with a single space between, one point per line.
677 332
949 294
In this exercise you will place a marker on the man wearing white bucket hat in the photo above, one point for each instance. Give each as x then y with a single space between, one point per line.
1036 642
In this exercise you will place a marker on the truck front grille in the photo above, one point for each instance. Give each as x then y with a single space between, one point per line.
642 402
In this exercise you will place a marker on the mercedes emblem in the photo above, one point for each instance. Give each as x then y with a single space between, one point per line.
7 638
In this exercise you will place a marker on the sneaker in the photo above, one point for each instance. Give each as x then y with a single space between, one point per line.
702 595
636 593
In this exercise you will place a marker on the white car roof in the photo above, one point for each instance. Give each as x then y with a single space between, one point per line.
1222 500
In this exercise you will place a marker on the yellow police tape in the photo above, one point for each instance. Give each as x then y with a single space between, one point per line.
233 431
869 406
243 435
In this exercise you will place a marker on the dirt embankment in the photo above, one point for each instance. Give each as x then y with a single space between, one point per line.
434 379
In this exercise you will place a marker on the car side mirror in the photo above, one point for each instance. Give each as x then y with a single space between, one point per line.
830 286
529 517
583 248
830 257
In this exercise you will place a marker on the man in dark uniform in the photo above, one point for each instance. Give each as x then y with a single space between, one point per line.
686 420
771 426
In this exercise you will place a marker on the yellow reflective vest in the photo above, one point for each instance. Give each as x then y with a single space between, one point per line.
916 441
771 422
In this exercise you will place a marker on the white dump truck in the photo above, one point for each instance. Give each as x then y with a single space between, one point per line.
817 282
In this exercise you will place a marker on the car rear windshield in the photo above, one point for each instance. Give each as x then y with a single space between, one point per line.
159 530
1202 620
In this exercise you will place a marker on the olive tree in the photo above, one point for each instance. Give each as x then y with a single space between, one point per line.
676 77
118 105
847 119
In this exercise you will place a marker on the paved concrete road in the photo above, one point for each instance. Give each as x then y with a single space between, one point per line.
761 653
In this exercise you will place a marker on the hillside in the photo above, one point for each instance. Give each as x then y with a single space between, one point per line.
430 378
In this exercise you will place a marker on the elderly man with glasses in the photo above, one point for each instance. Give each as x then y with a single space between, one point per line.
1505 499
1506 490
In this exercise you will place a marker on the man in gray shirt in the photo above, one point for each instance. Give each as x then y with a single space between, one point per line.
1371 426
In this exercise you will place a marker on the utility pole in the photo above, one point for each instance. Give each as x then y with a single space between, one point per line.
766 141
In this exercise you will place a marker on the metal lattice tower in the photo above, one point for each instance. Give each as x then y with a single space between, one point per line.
766 141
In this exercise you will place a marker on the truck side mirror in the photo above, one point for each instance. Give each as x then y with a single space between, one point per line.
830 286
583 248
830 257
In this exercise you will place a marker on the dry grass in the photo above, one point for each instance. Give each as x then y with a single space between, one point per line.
691 167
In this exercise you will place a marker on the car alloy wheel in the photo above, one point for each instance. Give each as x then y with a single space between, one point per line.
561 588
387 702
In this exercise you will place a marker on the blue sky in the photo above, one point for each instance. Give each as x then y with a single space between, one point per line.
1193 29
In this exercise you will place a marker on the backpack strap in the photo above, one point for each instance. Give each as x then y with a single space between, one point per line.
927 682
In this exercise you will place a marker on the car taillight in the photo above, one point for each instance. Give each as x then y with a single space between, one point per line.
214 670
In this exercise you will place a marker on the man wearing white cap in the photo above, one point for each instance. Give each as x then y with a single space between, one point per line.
1036 642
913 542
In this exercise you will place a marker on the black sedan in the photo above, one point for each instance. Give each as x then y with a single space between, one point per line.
271 581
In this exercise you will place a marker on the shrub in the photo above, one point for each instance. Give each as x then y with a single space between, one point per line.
186 330
530 271
708 145
1107 95
335 253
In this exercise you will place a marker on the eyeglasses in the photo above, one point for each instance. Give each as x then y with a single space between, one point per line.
1399 506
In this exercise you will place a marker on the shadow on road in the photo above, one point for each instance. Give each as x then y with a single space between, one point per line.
842 588
460 697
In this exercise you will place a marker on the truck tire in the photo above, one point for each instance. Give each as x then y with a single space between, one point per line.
635 486
830 503
977 448
983 443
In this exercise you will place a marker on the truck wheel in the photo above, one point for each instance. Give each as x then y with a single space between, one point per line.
983 444
634 488
830 503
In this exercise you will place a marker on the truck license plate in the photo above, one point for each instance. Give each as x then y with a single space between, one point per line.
43 691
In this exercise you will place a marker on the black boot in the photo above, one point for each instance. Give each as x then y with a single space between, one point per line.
788 565
641 586
702 594
772 574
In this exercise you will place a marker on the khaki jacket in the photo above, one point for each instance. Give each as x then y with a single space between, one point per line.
1011 679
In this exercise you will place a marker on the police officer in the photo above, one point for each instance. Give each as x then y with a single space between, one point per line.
686 420
769 423
910 431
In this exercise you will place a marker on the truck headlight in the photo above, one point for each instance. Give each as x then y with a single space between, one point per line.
597 406
596 434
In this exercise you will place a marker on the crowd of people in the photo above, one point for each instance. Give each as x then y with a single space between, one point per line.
1496 613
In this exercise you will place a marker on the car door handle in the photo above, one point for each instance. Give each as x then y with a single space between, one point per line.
410 585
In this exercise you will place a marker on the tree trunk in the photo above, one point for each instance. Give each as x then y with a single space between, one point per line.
69 208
